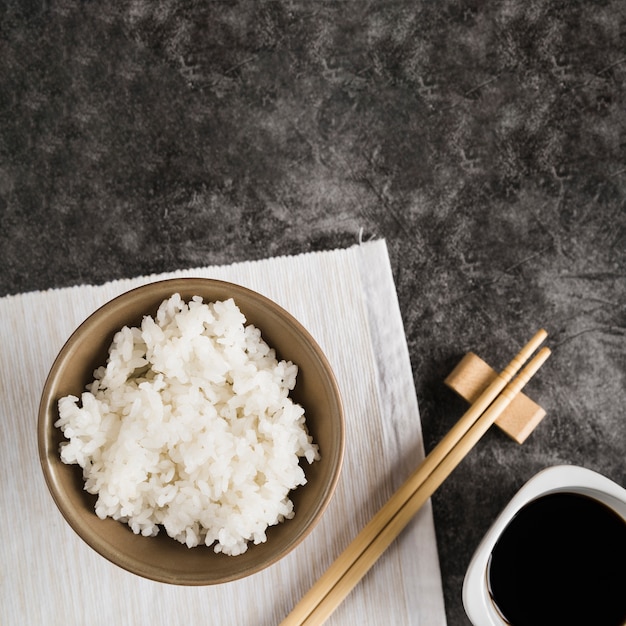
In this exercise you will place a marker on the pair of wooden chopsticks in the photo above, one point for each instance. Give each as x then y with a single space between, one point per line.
356 560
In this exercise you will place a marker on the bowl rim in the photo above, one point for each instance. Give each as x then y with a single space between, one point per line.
45 423
558 478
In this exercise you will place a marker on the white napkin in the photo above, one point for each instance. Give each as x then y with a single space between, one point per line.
347 300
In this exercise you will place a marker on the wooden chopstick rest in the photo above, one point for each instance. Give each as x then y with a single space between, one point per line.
472 376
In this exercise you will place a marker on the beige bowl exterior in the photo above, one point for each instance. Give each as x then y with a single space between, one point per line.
161 558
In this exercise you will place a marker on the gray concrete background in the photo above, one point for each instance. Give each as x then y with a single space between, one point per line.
486 142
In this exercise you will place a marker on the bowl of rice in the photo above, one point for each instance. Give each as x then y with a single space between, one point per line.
191 431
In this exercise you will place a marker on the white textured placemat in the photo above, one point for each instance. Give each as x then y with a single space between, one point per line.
347 300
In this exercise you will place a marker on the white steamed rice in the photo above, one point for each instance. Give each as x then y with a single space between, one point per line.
190 427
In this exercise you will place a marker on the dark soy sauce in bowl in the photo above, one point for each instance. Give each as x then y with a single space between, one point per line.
561 560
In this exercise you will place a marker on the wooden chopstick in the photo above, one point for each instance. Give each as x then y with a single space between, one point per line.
388 533
341 577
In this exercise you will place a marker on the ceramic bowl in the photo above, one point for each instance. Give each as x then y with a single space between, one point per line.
477 600
161 558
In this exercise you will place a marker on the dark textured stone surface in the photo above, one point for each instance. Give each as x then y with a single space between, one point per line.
485 141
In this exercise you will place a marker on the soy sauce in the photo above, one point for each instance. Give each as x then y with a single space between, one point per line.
561 561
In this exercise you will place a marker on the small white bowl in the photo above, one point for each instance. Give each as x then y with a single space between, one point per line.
561 478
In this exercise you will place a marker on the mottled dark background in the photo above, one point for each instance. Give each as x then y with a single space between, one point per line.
486 142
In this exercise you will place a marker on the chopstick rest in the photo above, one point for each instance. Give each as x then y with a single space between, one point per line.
472 376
